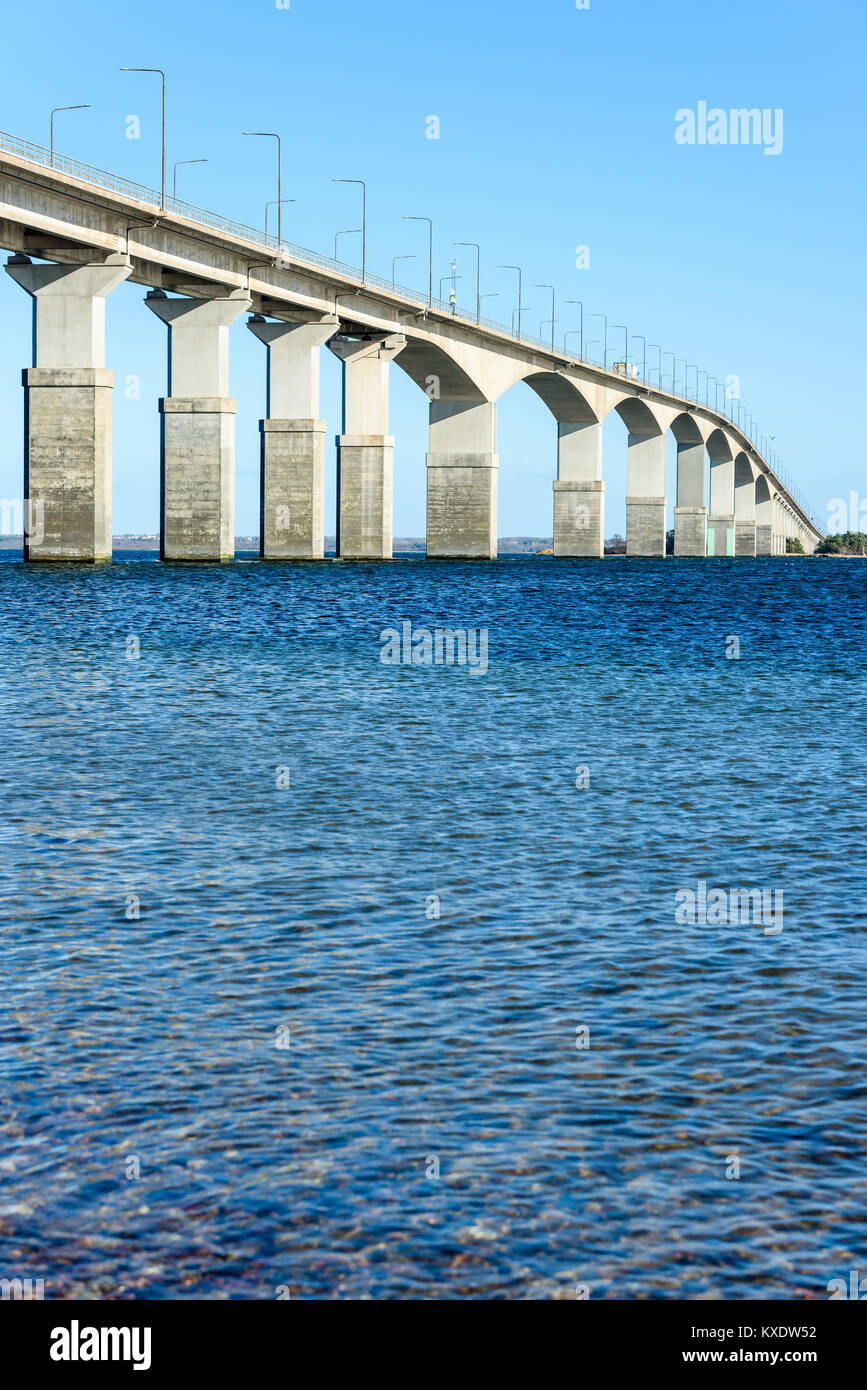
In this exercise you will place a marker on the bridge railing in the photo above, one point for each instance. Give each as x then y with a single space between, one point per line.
149 198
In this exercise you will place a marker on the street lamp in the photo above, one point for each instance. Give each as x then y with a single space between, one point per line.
273 204
590 344
429 222
581 327
643 355
347 231
658 348
685 369
271 135
478 251
673 364
81 107
553 309
520 294
625 346
605 339
451 276
521 308
175 172
163 76
363 186
394 261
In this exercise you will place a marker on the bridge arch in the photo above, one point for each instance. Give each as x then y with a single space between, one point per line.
721 515
764 503
690 508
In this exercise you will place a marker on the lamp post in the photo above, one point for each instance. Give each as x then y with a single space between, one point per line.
520 294
671 355
394 261
175 168
478 251
643 341
685 366
592 341
658 364
605 339
429 222
553 308
625 346
163 76
82 106
581 327
521 308
347 231
451 276
715 392
272 135
361 183
273 204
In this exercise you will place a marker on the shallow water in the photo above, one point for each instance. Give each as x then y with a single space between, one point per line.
406 1038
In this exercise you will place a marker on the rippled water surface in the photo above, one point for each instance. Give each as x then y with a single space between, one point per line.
289 1041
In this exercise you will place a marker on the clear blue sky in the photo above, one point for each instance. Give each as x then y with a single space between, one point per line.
557 130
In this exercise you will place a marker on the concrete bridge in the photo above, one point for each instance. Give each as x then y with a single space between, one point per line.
91 231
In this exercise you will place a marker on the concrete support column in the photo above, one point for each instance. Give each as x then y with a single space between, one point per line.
721 522
292 456
579 492
197 450
365 449
67 409
462 469
779 528
645 501
745 512
690 513
764 519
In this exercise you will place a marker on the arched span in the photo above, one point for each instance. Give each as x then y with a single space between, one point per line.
637 416
686 430
566 403
719 448
436 373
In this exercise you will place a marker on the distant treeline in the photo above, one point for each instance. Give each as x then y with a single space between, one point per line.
848 543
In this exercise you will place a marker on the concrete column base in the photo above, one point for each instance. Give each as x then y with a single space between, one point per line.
690 531
292 496
365 496
579 519
67 463
745 538
197 478
462 506
764 540
721 536
645 527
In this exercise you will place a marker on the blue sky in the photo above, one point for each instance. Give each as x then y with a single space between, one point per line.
556 130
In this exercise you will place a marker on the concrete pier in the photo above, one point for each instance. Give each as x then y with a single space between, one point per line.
67 409
197 448
690 512
745 507
292 467
645 501
579 492
365 449
462 466
721 520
